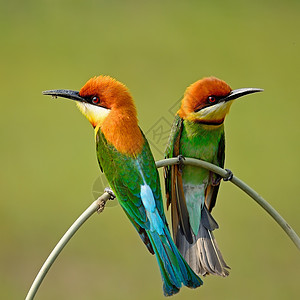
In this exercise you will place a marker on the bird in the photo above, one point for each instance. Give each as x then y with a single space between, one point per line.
125 158
198 132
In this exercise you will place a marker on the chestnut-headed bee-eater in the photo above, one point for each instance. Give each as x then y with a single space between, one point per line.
198 132
125 158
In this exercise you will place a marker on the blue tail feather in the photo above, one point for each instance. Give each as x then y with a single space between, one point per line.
174 269
168 287
190 279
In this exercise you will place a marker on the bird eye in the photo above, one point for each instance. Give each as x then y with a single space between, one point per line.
212 99
95 100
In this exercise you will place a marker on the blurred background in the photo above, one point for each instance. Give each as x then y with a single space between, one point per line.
48 162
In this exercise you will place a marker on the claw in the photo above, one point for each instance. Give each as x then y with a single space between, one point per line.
101 206
215 179
109 191
228 176
180 158
103 202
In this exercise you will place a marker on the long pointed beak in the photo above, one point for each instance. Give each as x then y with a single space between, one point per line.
241 92
73 95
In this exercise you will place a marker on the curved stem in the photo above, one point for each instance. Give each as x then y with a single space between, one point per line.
243 186
95 206
99 204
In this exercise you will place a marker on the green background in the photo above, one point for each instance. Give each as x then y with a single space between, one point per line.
48 162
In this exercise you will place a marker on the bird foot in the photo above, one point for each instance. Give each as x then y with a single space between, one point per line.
228 176
102 203
101 206
180 163
215 179
109 191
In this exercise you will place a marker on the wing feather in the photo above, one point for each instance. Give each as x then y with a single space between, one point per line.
126 175
213 187
174 187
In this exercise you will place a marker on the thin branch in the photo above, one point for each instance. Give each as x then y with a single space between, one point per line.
243 186
97 205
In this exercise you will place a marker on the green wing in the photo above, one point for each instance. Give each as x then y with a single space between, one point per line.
126 175
174 187
171 151
213 187
174 136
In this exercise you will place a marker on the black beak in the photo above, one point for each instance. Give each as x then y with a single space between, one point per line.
73 95
241 92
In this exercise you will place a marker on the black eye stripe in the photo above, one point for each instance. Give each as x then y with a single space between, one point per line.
211 100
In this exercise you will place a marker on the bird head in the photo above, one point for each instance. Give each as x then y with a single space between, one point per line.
99 97
208 100
108 105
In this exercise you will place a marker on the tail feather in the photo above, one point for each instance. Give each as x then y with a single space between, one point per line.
174 270
212 261
203 255
168 287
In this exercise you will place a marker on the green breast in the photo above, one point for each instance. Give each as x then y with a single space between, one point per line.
201 142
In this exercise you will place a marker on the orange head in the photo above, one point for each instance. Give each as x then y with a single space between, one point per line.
208 100
103 95
108 106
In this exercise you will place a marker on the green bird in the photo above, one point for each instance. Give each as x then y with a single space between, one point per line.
198 132
125 158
